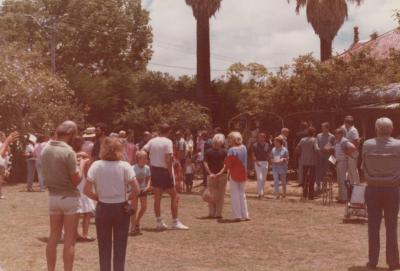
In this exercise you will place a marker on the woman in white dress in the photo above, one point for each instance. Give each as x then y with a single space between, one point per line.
87 206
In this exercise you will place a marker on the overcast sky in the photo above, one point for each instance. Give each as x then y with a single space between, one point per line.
264 31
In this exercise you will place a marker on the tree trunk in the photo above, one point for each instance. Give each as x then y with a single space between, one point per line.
326 49
203 88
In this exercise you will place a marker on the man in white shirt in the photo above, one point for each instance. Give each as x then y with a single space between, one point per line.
160 151
343 149
352 162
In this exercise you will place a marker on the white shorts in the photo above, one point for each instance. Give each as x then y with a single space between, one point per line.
63 205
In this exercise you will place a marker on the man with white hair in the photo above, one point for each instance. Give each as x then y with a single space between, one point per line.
381 160
62 177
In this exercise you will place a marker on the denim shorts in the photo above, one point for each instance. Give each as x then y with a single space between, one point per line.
63 205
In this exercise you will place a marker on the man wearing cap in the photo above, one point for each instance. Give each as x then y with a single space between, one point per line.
88 136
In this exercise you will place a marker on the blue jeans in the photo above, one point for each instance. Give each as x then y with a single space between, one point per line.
382 200
112 226
276 176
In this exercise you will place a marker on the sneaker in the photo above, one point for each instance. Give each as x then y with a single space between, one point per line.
177 225
161 225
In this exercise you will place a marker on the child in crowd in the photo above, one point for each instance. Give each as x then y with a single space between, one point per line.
189 174
143 176
87 206
279 161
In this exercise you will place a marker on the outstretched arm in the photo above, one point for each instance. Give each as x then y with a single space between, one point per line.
10 139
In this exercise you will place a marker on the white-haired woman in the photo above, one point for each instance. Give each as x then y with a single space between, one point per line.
214 164
236 164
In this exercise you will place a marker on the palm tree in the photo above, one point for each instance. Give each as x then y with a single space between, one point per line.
326 17
202 11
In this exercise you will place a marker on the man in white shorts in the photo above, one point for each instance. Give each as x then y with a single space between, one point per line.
160 150
61 177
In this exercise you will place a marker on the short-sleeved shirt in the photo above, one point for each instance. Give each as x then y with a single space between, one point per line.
381 159
158 148
261 151
38 150
59 164
340 148
308 151
111 179
142 174
215 159
181 147
236 163
353 135
277 154
29 150
323 140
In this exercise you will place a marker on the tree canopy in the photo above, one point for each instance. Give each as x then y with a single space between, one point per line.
31 98
311 85
99 36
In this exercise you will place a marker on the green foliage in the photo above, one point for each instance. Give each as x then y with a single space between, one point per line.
179 114
99 36
309 85
32 99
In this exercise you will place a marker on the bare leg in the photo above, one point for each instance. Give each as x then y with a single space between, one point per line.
85 225
70 228
134 203
157 201
174 202
56 226
143 208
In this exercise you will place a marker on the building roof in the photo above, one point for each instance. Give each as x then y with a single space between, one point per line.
383 97
380 47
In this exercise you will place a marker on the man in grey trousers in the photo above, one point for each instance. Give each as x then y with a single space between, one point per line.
381 160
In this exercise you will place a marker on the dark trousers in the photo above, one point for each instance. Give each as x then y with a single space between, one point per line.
382 201
112 226
205 175
308 181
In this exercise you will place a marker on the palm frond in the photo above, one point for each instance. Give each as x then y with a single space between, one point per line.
204 7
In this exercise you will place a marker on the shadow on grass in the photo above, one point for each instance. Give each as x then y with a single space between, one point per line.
228 221
364 268
153 230
355 221
46 239
205 218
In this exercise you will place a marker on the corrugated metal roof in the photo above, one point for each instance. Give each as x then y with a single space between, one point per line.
380 47
388 106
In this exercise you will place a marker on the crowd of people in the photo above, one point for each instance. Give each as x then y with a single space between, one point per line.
110 176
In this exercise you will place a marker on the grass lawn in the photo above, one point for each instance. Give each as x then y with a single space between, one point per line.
282 235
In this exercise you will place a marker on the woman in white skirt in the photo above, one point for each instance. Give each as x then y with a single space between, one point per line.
87 206
236 164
